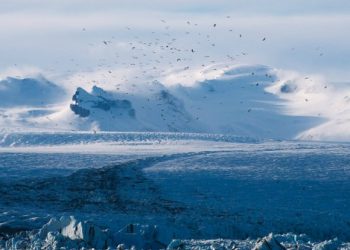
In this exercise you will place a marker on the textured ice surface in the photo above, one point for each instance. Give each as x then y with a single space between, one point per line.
174 187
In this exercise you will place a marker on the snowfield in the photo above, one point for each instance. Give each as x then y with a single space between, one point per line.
172 190
248 100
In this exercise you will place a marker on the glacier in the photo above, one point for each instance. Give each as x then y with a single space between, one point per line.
171 190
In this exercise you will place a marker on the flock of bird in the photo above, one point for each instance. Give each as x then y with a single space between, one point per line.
151 55
155 53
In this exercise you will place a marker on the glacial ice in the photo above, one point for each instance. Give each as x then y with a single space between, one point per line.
70 233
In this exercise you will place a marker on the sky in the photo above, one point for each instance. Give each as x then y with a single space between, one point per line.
83 42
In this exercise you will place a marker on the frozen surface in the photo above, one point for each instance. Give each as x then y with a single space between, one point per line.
148 189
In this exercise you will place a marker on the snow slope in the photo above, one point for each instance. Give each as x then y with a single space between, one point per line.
26 102
38 91
246 100
110 111
234 101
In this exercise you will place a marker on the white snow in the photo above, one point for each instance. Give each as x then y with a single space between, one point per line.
38 92
245 100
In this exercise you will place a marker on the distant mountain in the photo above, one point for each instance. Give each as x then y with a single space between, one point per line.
110 111
86 104
38 91
104 109
249 100
237 102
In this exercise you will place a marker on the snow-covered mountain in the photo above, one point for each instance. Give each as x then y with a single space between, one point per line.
15 92
26 102
235 102
111 111
249 100
102 107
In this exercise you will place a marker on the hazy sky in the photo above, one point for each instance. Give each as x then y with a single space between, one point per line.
65 38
